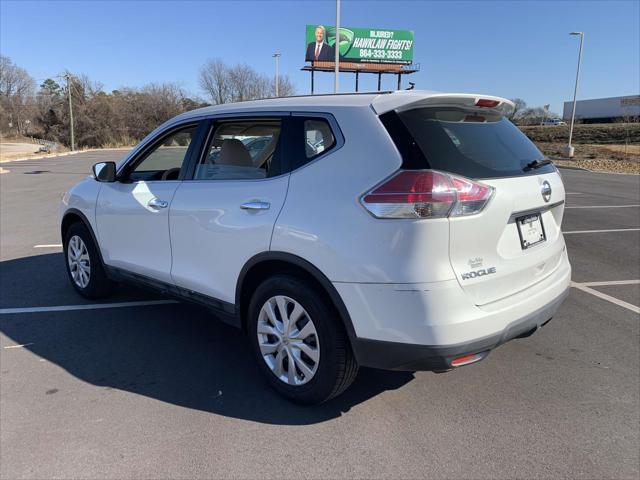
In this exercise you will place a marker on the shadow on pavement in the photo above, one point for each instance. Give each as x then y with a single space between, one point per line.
41 280
179 354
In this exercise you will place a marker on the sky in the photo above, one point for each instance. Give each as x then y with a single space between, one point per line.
505 48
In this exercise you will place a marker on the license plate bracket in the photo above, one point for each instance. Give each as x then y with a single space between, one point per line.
530 230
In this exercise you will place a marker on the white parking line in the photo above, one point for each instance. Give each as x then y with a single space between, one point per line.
603 231
613 282
604 206
604 296
18 346
91 306
50 245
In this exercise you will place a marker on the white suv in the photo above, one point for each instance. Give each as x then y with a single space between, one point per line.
406 231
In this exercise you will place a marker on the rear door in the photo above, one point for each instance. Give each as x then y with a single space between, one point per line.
515 241
224 214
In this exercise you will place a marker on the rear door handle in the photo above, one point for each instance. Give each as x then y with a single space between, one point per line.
157 203
255 205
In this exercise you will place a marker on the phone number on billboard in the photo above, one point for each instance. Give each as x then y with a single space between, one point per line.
381 54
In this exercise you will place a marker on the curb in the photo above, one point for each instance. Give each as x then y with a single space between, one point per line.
573 168
581 169
21 159
63 154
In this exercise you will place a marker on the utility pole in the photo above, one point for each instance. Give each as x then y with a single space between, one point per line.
67 77
336 45
569 148
277 57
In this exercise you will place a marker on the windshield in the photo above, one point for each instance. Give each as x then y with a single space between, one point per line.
469 143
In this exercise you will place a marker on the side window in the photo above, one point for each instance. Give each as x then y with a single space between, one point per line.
241 150
318 137
166 159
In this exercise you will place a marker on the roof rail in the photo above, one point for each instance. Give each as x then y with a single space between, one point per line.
375 92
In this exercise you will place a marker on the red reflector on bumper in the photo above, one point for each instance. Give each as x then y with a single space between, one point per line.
467 359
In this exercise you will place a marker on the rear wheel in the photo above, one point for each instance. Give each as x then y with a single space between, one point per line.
299 341
84 266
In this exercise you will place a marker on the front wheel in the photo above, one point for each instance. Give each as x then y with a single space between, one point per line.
84 266
299 341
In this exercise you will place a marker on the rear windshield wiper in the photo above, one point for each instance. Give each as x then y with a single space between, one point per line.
537 164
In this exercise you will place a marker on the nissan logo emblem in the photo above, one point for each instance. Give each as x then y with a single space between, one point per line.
546 191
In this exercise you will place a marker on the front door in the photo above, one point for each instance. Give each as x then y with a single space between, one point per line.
132 214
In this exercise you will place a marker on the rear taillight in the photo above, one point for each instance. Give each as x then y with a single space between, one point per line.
472 196
426 194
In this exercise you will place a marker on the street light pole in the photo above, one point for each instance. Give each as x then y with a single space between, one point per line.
277 57
336 45
67 76
569 149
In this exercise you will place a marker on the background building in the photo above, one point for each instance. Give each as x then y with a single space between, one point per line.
605 110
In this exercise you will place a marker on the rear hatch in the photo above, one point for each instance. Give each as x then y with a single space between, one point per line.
515 240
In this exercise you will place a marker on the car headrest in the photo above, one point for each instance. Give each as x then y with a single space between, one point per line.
267 151
233 152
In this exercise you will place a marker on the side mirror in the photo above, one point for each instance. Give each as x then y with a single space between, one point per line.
105 171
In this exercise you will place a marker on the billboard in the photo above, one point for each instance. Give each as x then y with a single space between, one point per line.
372 45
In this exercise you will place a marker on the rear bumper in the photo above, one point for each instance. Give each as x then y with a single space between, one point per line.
407 356
425 326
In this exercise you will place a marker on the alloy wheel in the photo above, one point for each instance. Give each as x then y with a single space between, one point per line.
79 262
288 340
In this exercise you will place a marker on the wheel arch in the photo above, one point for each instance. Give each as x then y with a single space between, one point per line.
264 264
73 215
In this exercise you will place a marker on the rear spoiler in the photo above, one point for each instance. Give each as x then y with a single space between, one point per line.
409 100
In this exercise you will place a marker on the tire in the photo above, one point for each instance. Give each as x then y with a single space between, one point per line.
93 282
335 368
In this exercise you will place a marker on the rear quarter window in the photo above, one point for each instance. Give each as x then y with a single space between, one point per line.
318 137
463 142
309 138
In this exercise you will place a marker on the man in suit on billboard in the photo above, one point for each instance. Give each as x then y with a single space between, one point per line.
320 50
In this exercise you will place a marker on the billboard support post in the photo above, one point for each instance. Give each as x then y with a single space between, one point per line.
312 70
358 69
337 49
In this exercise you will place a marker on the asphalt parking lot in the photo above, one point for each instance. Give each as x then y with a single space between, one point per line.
167 391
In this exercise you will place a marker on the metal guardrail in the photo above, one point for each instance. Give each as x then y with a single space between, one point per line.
47 145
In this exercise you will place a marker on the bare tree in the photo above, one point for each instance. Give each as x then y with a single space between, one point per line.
239 83
285 87
214 80
534 116
14 81
16 94
123 116
242 79
520 105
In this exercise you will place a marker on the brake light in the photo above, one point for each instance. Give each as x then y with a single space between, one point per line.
485 102
426 194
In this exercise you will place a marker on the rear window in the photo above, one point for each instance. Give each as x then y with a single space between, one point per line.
462 142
